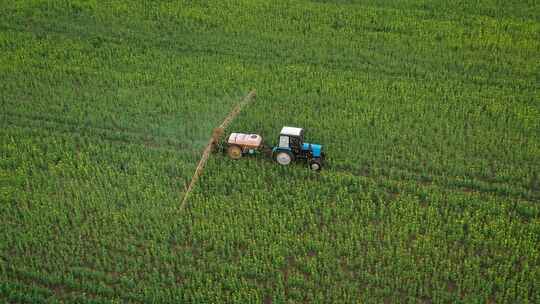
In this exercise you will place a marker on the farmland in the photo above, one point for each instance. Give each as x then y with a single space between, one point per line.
429 114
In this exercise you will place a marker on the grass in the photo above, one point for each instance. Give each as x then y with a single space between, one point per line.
428 112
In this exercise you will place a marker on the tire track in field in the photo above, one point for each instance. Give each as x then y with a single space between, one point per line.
103 140
448 183
114 135
51 287
445 183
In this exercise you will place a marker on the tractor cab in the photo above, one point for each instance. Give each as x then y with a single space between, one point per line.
291 138
291 146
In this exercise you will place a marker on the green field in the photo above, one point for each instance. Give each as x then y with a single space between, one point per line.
429 112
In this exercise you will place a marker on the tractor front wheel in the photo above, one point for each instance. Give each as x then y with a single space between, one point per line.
234 152
284 157
315 164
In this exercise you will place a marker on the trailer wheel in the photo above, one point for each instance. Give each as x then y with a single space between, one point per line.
284 157
234 152
315 164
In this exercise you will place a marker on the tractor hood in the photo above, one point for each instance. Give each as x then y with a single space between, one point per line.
314 148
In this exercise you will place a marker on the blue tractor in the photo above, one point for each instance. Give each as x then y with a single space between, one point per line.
291 146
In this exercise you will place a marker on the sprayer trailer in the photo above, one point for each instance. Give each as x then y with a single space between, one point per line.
239 144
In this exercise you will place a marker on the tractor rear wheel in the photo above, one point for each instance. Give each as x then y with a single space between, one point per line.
315 164
234 152
284 157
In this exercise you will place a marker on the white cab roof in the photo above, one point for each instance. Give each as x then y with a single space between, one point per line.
291 131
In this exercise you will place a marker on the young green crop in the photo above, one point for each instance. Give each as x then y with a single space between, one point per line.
427 112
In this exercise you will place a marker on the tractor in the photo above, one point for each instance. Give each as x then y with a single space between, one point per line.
291 146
